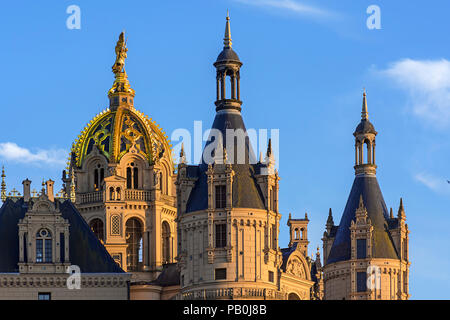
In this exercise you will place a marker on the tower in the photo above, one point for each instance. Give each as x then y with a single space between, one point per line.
121 178
366 255
228 217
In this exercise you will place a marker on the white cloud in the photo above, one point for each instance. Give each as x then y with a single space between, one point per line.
291 5
428 85
438 185
10 151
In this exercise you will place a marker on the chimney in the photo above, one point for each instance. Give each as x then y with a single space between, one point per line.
26 190
50 195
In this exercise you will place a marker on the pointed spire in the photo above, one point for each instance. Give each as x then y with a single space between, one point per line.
3 187
330 220
401 210
269 148
72 186
361 201
227 39
364 113
182 154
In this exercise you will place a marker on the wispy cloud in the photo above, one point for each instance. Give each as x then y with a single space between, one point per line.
10 151
436 184
289 5
427 83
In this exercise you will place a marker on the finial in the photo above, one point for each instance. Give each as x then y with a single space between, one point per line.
391 214
43 186
225 156
330 220
3 187
182 154
364 113
361 201
306 216
269 148
401 210
227 39
121 83
72 186
290 216
260 157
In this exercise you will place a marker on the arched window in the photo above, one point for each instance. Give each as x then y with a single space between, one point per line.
133 235
111 193
161 182
166 242
128 178
118 193
296 234
293 296
96 226
99 176
43 246
135 178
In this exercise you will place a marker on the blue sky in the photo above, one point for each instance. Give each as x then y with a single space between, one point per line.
305 66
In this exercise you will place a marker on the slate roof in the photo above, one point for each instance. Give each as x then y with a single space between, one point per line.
367 186
85 250
227 54
286 253
365 126
246 191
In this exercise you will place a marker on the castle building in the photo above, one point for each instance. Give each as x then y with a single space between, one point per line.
366 255
43 240
121 178
228 217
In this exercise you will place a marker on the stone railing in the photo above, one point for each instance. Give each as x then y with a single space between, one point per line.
137 195
90 197
232 293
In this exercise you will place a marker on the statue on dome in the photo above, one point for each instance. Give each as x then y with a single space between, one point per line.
121 54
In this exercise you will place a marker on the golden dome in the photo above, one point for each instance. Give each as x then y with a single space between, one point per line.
114 132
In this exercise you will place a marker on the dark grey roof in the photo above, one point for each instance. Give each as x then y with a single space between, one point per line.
227 54
85 250
170 276
383 247
365 126
246 191
286 253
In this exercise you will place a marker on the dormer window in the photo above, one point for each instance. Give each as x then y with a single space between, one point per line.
43 246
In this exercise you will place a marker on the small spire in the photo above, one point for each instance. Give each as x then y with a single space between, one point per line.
182 154
3 187
401 210
72 186
260 157
330 220
227 39
306 216
290 216
43 187
361 201
269 148
391 214
364 113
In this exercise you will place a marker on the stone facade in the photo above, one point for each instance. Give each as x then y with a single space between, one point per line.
366 256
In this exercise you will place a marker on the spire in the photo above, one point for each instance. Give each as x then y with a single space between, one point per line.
72 186
306 215
227 39
269 148
401 210
391 214
182 154
3 187
330 220
364 112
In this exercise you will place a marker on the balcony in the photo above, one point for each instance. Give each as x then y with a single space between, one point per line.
90 197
